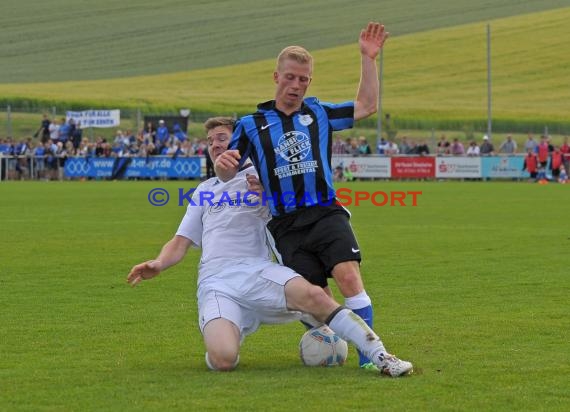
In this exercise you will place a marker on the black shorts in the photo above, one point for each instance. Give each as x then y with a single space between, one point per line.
312 241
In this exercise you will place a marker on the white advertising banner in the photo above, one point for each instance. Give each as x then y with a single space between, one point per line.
95 118
458 167
364 167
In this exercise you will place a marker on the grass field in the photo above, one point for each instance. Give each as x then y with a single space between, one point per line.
471 285
61 40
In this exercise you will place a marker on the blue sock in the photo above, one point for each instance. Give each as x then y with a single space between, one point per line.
366 314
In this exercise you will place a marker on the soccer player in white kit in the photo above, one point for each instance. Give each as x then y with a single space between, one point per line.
239 286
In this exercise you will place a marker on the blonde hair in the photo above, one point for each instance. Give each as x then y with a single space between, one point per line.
214 122
296 53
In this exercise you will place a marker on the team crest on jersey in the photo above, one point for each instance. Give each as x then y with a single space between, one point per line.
293 146
305 119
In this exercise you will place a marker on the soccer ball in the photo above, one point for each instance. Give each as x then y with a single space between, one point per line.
322 347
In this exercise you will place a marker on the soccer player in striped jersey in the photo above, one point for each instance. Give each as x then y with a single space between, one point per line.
289 140
239 286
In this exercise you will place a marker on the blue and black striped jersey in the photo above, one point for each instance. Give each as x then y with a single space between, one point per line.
292 154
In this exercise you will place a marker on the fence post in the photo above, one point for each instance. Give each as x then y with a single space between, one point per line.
9 121
489 87
138 120
32 161
380 89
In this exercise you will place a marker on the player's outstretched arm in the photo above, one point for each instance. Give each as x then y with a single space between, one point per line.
227 165
172 253
371 42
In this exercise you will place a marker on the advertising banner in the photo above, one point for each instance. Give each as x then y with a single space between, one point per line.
120 167
95 118
504 167
364 167
413 167
458 167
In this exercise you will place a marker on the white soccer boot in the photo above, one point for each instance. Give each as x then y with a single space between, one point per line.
394 367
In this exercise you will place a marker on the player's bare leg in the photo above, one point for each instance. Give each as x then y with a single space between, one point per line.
222 341
304 297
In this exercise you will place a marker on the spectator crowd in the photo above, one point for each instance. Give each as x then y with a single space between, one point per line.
56 140
540 155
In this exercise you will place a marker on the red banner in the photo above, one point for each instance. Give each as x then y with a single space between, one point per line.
414 167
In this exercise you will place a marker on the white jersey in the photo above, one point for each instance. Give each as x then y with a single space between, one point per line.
227 222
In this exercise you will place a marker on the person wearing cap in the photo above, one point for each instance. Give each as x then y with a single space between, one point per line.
162 135
486 148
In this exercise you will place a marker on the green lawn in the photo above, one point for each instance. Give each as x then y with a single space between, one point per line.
471 285
61 40
431 79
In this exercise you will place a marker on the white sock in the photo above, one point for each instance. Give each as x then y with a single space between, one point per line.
358 301
211 367
352 328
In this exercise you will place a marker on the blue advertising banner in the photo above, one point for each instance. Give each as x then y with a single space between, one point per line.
503 167
121 167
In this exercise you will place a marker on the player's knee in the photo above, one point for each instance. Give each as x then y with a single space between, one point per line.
349 283
347 277
222 361
226 365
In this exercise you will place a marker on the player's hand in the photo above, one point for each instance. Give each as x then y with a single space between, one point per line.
372 39
229 160
253 184
143 271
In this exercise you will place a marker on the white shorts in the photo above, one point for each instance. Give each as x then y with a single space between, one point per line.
247 295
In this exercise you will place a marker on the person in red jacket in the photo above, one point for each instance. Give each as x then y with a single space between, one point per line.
565 149
542 151
531 164
556 162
